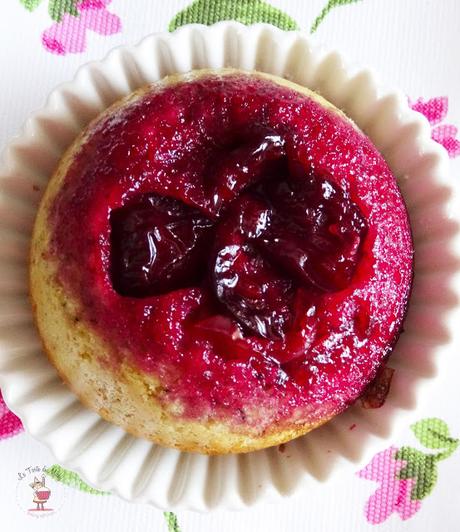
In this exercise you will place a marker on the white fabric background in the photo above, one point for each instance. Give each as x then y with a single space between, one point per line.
414 45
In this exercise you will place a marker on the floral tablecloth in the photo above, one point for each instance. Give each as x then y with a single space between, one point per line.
413 484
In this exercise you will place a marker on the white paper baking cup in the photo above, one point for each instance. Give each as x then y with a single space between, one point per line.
138 470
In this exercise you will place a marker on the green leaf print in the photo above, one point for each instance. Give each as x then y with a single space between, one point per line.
433 433
327 9
72 479
426 481
171 521
69 478
414 458
57 8
30 4
245 11
421 467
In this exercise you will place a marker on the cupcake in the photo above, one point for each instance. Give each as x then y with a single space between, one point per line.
221 262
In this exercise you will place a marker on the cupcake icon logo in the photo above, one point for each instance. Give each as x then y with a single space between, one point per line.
37 494
41 494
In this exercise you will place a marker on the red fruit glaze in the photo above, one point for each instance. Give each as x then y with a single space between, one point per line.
246 245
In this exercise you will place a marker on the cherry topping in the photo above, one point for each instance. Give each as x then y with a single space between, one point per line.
158 244
276 228
277 236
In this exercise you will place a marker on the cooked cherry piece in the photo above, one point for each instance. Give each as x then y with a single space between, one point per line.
254 292
315 231
158 244
255 156
288 231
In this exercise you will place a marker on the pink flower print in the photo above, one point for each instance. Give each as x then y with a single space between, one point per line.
69 35
10 424
393 494
435 110
446 135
